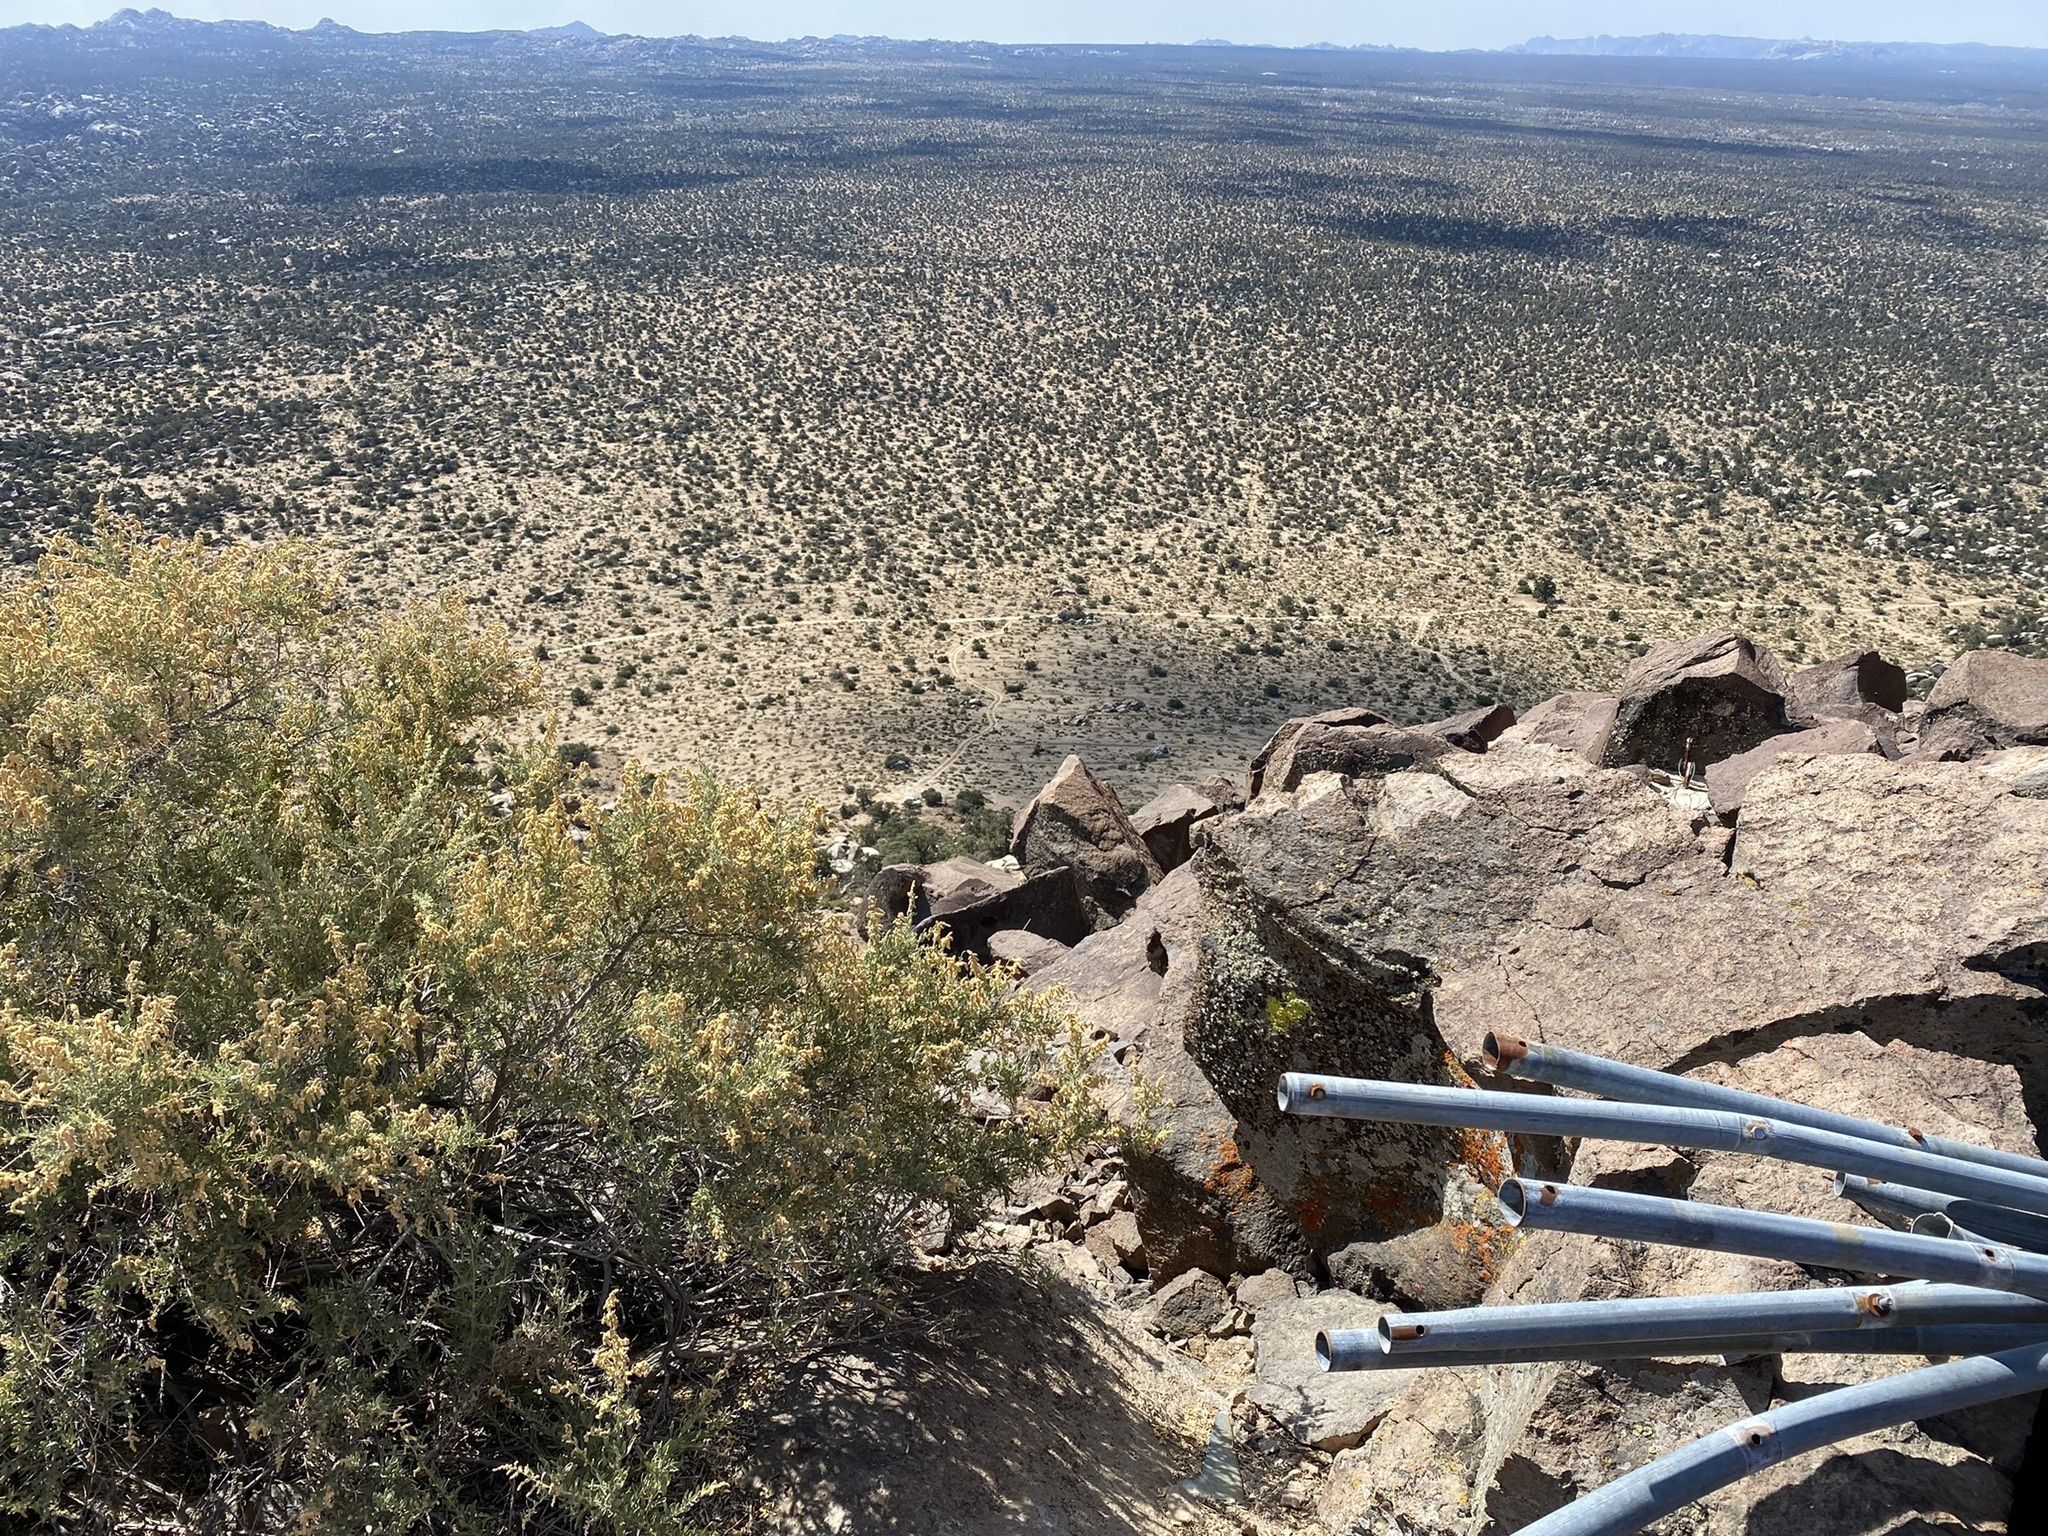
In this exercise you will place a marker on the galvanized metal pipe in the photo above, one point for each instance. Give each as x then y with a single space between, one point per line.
1934 1224
1358 1349
1513 1057
1304 1093
1999 1223
1728 1455
1761 1234
1673 1319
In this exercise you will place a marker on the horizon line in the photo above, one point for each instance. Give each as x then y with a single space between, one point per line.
591 33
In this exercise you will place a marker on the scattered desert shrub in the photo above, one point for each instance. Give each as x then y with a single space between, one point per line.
390 1137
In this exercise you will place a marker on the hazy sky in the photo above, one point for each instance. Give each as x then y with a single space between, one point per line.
1445 24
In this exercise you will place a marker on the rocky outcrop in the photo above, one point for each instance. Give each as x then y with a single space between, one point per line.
1578 723
1279 741
1869 934
1985 701
1697 701
1846 685
1728 780
1076 821
1475 729
1167 822
1356 751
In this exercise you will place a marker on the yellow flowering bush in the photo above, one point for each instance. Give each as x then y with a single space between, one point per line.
391 1137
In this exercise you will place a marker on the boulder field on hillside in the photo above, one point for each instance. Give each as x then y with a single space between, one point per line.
1799 881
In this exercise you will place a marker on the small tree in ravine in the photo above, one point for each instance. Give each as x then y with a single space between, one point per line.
393 1136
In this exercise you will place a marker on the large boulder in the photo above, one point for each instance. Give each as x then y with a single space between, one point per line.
1279 740
1900 898
1027 951
1984 701
1167 822
1846 685
1475 729
1077 821
1357 751
1728 780
1697 701
1466 1452
1046 903
1331 1411
920 891
1270 996
1196 1202
1579 723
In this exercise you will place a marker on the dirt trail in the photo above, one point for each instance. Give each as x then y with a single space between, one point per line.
1032 1405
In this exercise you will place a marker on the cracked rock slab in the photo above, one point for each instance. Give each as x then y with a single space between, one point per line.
1331 1411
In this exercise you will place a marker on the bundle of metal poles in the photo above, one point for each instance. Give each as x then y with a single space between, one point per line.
1974 1259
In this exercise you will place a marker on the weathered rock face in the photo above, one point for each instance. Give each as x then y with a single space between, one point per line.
1428 1269
1077 821
1846 684
1027 951
1728 780
1167 821
1578 723
1357 751
1719 693
2024 770
1110 978
1526 891
1984 701
1279 740
1470 1452
1474 730
1196 1202
1045 903
1331 1412
1271 997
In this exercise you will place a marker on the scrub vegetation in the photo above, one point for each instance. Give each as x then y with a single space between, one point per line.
393 1135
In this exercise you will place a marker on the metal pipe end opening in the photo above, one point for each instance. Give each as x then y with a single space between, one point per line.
1501 1052
1323 1350
1514 1199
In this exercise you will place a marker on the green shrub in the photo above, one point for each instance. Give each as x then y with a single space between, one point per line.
387 1140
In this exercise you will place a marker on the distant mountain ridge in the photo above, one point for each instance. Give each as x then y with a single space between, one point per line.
1708 45
158 23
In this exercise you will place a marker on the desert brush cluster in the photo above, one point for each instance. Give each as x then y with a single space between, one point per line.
390 1134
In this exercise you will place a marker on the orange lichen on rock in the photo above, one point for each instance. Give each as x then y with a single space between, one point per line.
1485 1156
1230 1175
1487 1246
